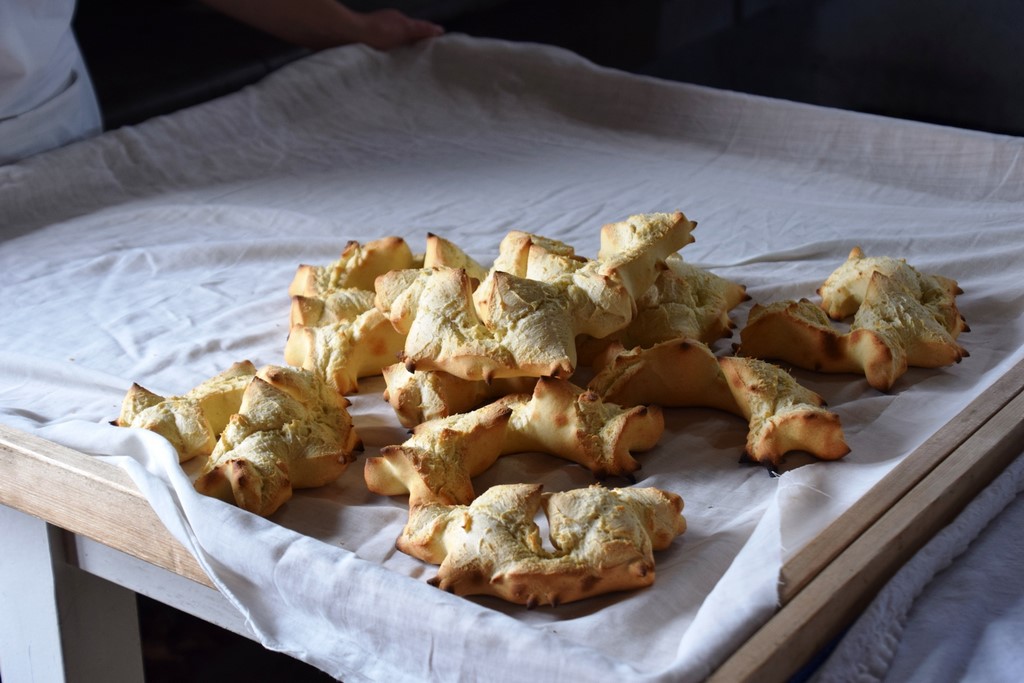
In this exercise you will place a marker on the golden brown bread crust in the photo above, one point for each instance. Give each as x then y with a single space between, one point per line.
450 328
576 424
357 267
334 328
604 542
437 463
845 289
597 304
633 249
344 352
426 395
684 302
525 254
524 317
901 319
679 373
339 306
442 253
291 431
782 415
193 421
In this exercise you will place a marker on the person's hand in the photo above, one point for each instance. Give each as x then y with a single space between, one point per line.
388 28
322 24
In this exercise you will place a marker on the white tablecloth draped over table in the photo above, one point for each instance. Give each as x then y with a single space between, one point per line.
162 253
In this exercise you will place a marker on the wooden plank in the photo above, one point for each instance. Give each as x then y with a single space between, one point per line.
58 622
208 604
824 548
90 497
834 598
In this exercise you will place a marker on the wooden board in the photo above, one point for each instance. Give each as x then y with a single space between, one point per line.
90 497
868 544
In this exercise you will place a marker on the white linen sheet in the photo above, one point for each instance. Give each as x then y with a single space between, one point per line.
955 611
162 253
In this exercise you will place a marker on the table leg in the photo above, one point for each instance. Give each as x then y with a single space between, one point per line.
57 622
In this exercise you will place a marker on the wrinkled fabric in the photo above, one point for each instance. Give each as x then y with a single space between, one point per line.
162 253
46 95
955 611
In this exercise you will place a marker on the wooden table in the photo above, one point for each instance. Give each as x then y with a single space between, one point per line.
80 539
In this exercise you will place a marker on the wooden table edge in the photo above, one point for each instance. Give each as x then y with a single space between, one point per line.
826 546
832 599
87 496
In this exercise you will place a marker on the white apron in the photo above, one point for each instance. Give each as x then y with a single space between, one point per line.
46 97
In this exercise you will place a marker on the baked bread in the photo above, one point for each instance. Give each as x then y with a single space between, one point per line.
576 424
525 254
437 463
356 268
684 302
442 253
513 325
633 250
334 328
343 305
901 319
430 394
193 421
291 431
344 352
604 293
679 373
846 288
912 332
597 303
782 415
604 541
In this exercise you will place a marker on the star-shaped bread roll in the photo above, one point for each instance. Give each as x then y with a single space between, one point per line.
334 327
846 288
344 352
684 302
507 327
438 462
342 305
901 319
193 421
513 325
782 415
291 431
604 541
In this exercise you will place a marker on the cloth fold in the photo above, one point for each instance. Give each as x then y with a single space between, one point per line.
954 611
161 254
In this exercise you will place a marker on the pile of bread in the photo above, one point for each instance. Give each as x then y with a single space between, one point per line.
481 362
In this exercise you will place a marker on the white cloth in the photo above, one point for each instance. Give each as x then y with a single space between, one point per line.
46 95
160 254
955 611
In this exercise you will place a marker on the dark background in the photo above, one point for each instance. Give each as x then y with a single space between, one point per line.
952 62
955 62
